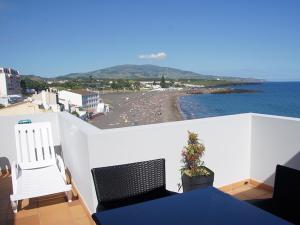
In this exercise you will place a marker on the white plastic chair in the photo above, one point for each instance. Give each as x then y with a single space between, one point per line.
38 170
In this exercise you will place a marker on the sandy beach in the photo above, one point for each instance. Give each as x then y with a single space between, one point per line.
138 108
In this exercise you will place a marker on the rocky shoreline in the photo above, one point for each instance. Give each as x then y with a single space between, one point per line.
219 91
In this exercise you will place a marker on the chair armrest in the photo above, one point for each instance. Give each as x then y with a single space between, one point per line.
61 166
14 174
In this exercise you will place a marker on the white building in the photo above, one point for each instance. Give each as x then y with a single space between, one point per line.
102 108
48 99
10 88
87 100
9 82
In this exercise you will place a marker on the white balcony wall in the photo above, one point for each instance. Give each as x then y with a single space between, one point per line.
227 140
237 147
75 135
274 140
7 134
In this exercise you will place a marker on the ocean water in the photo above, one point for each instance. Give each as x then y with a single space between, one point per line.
276 98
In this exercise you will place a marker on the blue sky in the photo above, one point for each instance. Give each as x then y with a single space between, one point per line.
243 38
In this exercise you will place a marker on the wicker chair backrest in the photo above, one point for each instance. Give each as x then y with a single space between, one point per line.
128 180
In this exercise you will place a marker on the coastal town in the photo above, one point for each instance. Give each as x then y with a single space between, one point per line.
105 103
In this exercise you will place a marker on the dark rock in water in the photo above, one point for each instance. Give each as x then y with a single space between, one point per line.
231 91
219 91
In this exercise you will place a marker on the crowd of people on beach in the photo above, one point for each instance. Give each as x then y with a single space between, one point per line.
138 108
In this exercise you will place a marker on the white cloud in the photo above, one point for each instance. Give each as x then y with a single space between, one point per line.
154 56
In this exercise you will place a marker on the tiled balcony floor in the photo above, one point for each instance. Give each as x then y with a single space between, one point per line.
249 191
54 209
48 210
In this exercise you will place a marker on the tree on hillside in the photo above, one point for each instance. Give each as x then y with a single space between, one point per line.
163 83
137 85
120 84
71 84
27 83
92 79
172 82
23 85
113 85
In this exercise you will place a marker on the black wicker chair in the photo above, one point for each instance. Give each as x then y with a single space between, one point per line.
285 202
128 184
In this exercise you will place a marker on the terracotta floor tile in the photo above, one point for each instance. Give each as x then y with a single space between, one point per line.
83 221
74 203
66 222
77 212
240 196
50 208
235 191
268 195
55 214
254 193
243 188
26 212
249 191
30 220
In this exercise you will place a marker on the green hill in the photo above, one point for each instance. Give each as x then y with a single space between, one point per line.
148 72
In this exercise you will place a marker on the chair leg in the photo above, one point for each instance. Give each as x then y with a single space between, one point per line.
14 205
69 195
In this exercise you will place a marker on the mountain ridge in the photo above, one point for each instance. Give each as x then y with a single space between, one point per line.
147 71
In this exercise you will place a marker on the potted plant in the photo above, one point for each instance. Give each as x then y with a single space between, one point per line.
193 173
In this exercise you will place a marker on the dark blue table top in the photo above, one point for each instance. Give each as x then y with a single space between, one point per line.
207 206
